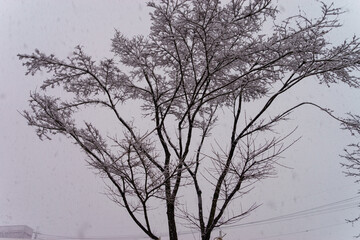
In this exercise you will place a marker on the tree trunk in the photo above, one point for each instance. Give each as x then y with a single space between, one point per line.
206 236
171 221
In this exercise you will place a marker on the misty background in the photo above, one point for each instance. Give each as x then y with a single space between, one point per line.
48 186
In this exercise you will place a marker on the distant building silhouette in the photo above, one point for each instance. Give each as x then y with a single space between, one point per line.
16 231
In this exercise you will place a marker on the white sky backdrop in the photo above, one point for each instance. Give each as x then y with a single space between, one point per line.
48 185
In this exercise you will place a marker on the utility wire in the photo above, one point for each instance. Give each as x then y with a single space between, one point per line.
337 206
340 205
298 232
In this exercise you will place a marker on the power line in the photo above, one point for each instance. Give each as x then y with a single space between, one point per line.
340 205
298 232
336 206
322 209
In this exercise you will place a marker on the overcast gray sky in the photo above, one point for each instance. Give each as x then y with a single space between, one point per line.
48 185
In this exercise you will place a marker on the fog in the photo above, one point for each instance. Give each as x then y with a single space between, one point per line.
48 186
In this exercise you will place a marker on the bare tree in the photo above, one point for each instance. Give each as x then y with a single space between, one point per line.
201 59
352 154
